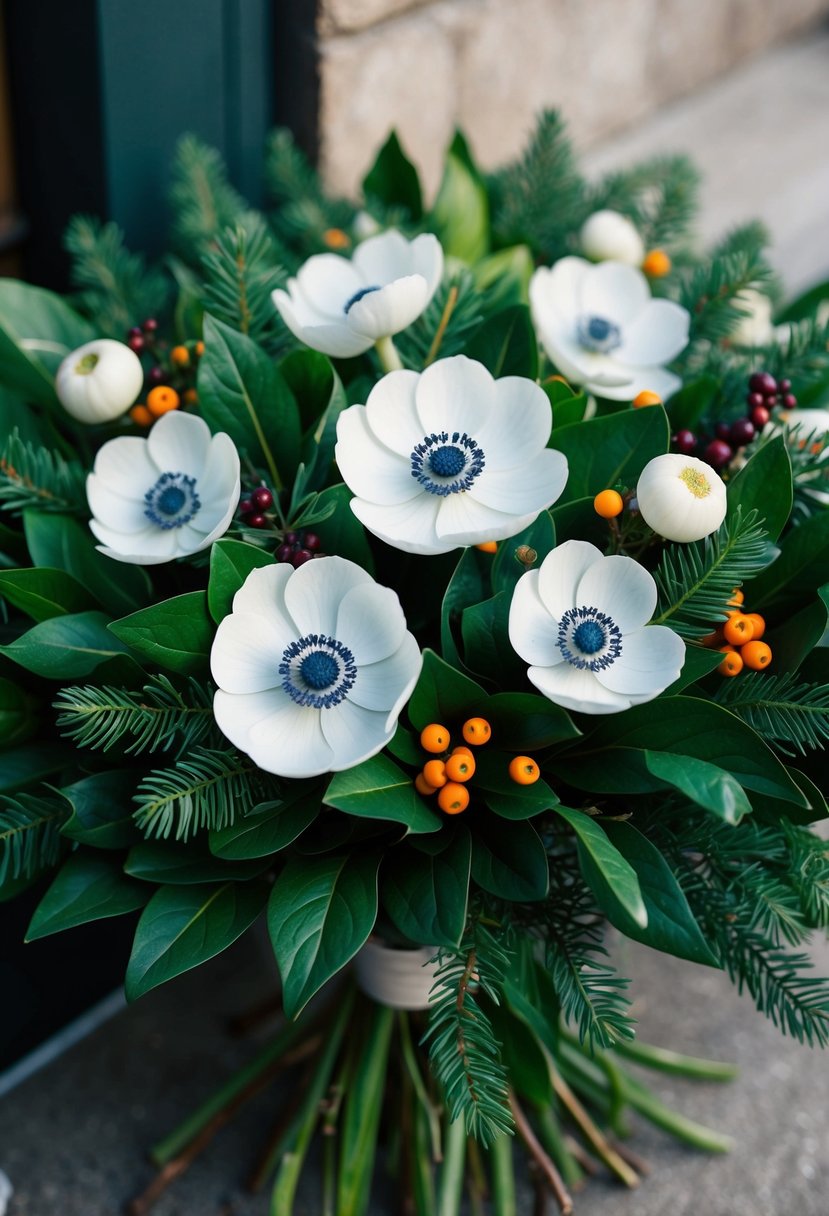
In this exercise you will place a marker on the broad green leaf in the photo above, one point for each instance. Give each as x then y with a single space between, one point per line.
63 543
502 794
88 887
320 913
393 179
66 647
795 638
765 482
18 719
268 827
404 747
507 569
43 593
689 405
443 694
184 926
504 276
578 520
526 1062
506 344
379 789
231 561
706 784
486 646
508 860
468 585
460 215
102 809
698 663
805 305
311 378
176 634
615 871
318 445
525 722
426 894
610 451
341 531
38 330
793 578
179 864
22 766
774 810
568 403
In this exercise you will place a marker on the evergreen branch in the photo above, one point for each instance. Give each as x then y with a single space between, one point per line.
116 288
32 476
30 833
808 873
203 200
151 720
710 291
464 1053
416 344
240 274
660 196
205 789
794 716
302 212
696 581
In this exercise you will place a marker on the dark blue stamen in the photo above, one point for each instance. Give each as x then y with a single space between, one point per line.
589 639
598 334
446 464
172 501
358 295
317 671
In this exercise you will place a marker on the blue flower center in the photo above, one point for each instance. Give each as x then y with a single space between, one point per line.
446 463
358 295
589 639
317 671
172 501
598 334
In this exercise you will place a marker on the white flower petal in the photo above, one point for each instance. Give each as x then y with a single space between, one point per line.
236 715
409 526
462 520
389 309
125 466
561 572
656 379
382 258
151 546
353 733
620 587
577 689
263 593
531 486
651 659
290 742
336 339
314 592
328 282
247 651
614 291
121 514
392 414
656 335
583 366
518 425
387 685
180 443
370 622
367 466
556 291
533 632
455 394
427 259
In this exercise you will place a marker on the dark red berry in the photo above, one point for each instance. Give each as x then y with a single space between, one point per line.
284 553
301 557
722 430
771 401
763 382
156 375
685 442
136 343
790 401
312 541
760 416
135 332
784 386
290 538
718 453
755 399
246 506
256 521
263 498
742 432
150 325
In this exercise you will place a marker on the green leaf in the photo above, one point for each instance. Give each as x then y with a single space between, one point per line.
378 789
65 647
318 445
320 913
690 404
506 344
503 795
765 482
22 766
176 634
231 561
88 887
393 179
805 305
63 543
671 925
610 451
504 277
460 216
268 827
699 662
242 392
442 694
102 809
43 593
506 567
802 567
486 647
605 861
37 331
426 894
706 784
341 532
509 862
468 585
578 521
795 639
17 714
179 864
182 927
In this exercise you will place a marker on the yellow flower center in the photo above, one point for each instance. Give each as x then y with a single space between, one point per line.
696 481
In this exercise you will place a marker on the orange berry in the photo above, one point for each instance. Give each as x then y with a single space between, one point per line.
732 664
335 238
488 546
523 770
462 750
199 348
434 771
161 400
737 598
141 416
608 504
713 639
460 766
759 624
738 629
656 264
756 655
423 787
453 798
180 356
477 731
646 397
434 738
190 396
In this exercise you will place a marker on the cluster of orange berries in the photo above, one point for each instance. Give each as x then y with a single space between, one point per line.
163 397
447 776
739 640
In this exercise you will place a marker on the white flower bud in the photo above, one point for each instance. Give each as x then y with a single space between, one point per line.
607 236
99 381
755 328
681 498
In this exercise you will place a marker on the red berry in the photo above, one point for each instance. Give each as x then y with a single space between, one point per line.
718 453
790 401
312 541
784 386
771 401
742 432
755 399
722 430
685 441
301 557
290 538
760 416
246 506
150 325
156 375
262 498
136 343
763 382
256 521
284 553
135 332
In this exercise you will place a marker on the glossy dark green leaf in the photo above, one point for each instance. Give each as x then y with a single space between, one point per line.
506 344
804 305
175 634
379 789
525 722
319 443
765 483
508 860
443 694
341 531
393 179
426 894
578 520
63 543
699 662
268 827
18 719
486 647
795 638
504 276
320 913
460 215
231 561
184 926
468 585
66 647
507 569
708 785
102 807
503 796
405 747
88 887
42 593
794 577
37 330
615 871
164 861
22 766
689 405
610 451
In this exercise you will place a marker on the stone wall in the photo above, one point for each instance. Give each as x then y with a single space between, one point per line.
488 66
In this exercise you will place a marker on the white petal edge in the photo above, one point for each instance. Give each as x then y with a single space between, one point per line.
392 308
386 686
620 587
409 526
533 632
313 592
367 466
370 622
455 394
353 734
651 659
576 689
531 486
561 572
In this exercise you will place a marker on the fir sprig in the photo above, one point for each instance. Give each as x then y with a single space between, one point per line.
710 291
30 833
34 477
791 714
444 328
151 720
116 288
808 872
240 273
302 212
202 199
696 581
660 196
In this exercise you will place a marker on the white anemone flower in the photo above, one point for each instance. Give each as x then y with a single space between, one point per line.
602 329
680 497
165 496
342 306
449 457
313 666
610 236
581 620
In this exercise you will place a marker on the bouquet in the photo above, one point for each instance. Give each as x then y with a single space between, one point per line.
443 584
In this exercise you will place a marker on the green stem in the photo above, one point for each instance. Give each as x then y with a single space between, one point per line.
410 1060
387 353
476 1178
361 1119
420 1162
550 1135
682 1128
673 1062
451 1174
503 1177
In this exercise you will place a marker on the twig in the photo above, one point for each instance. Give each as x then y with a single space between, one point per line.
591 1132
641 1166
451 301
542 1160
